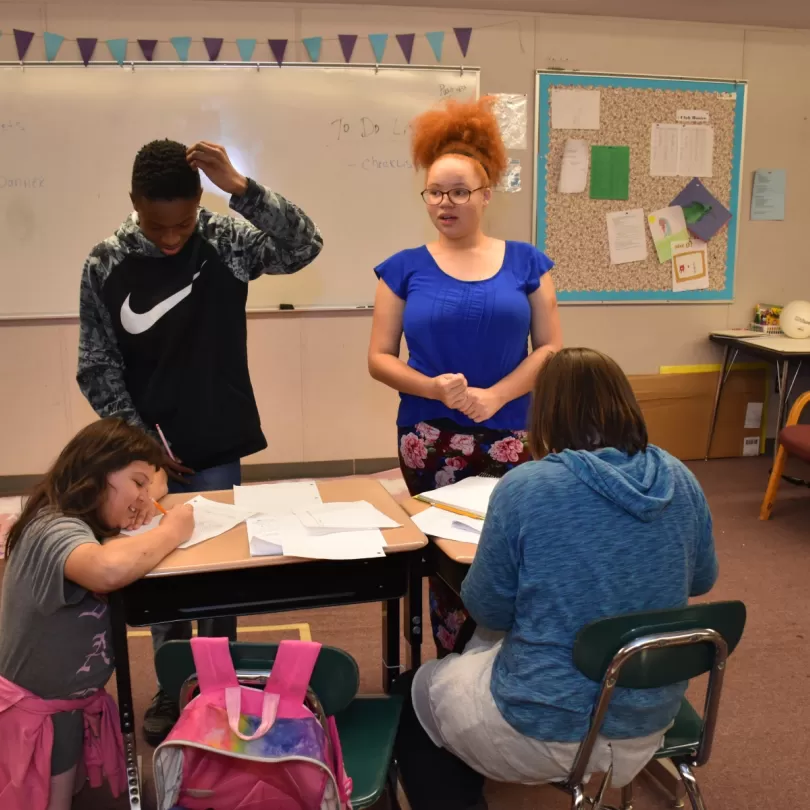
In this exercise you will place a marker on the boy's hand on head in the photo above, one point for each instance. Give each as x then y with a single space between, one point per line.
213 161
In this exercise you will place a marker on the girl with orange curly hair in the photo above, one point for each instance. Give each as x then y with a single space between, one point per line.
468 305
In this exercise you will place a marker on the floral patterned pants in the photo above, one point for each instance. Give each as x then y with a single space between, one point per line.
435 454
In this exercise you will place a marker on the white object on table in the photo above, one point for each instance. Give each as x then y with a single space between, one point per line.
471 495
345 515
448 526
281 498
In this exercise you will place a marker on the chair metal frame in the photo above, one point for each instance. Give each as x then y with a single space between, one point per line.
691 758
781 457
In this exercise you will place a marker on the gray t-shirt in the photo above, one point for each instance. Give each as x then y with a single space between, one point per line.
55 638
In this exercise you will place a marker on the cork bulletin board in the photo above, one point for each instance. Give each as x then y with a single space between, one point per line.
572 229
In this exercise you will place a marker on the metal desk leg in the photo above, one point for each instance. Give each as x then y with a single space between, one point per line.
725 370
782 373
390 642
413 613
125 707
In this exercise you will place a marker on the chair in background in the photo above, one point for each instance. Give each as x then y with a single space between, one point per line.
367 724
794 440
648 651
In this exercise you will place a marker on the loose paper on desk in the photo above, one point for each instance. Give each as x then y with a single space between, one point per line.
341 515
447 526
575 109
211 519
667 226
574 168
627 236
690 265
768 198
678 150
279 498
610 172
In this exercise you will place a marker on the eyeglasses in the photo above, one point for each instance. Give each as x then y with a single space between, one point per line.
457 196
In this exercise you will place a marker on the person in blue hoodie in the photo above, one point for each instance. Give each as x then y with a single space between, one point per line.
600 523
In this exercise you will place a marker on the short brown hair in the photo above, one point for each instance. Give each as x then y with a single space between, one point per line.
76 483
466 128
583 401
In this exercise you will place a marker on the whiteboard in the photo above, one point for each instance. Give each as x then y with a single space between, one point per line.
333 139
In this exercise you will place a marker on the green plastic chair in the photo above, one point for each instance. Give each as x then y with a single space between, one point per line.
648 651
367 724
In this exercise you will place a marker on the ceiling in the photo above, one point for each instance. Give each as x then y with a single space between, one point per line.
777 13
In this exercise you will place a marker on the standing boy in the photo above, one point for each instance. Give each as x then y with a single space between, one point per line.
163 338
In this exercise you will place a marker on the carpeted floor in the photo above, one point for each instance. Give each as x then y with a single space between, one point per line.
762 744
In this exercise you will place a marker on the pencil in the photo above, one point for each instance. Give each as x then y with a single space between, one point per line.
165 443
449 508
160 508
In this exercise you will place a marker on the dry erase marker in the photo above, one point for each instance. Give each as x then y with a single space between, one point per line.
165 443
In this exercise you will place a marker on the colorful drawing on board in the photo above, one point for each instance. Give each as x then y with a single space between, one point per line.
667 226
707 215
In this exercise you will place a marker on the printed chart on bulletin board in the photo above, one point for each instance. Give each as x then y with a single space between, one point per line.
638 186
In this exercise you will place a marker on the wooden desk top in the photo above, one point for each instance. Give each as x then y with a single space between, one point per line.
463 553
230 550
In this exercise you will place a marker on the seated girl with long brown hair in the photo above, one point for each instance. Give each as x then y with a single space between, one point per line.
55 646
601 523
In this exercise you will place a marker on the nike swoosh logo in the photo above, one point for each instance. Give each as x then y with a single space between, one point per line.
137 323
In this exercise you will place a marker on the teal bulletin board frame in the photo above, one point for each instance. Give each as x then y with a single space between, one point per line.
544 207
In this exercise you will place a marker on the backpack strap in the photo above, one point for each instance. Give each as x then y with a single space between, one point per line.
212 659
292 669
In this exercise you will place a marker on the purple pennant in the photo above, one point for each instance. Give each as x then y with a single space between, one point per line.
463 36
347 43
406 43
87 46
278 48
213 45
23 40
148 48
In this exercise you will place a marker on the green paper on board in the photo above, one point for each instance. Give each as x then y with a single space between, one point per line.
610 172
695 212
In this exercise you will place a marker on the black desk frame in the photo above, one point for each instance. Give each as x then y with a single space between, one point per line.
264 589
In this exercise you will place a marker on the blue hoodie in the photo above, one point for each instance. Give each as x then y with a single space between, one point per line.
570 539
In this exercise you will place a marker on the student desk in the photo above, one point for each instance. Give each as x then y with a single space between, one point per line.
220 578
786 354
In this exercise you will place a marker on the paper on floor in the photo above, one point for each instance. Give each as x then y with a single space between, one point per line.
345 515
447 526
281 498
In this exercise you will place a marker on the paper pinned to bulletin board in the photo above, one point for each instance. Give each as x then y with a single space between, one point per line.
571 226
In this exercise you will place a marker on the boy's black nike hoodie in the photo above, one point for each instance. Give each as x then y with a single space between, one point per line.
163 339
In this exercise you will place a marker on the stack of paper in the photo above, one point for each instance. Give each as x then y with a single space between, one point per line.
469 496
293 521
448 526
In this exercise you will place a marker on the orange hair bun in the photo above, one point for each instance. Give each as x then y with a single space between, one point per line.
466 128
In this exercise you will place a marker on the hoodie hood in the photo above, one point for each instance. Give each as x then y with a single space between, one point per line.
643 485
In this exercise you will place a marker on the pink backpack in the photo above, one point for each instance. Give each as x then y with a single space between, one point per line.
238 748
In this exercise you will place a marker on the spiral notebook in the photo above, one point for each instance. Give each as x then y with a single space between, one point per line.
469 497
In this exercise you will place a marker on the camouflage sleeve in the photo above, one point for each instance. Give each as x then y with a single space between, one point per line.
101 367
278 238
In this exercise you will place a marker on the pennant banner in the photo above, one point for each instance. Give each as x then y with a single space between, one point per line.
436 40
148 48
182 45
23 41
278 47
313 46
378 43
406 43
118 49
213 45
347 43
463 36
87 47
53 42
246 48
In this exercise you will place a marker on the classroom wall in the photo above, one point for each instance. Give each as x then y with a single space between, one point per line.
309 370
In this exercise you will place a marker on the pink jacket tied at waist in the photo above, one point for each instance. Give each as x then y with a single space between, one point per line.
26 741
